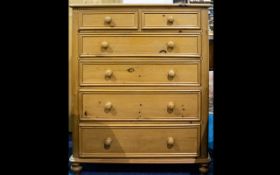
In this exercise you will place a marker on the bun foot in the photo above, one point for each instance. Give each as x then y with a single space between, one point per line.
203 168
76 168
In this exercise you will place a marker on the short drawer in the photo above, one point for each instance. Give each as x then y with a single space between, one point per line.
171 20
140 74
108 20
139 140
183 45
140 104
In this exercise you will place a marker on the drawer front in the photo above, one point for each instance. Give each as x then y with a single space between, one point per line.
140 74
109 20
133 45
171 20
139 141
141 104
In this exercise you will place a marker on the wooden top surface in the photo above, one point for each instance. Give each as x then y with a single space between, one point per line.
206 5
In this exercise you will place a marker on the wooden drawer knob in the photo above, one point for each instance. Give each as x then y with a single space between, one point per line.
170 106
108 106
171 44
171 74
170 19
170 141
108 73
108 19
104 44
108 142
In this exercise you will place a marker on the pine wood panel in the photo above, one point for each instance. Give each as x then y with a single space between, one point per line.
171 20
140 74
109 20
137 141
140 104
151 45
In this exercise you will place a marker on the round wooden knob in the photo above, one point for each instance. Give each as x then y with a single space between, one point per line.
108 73
108 141
170 106
170 141
171 44
104 44
108 106
108 19
171 74
170 19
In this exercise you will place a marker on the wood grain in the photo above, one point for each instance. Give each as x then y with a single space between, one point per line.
137 141
140 73
185 44
139 86
171 20
119 20
141 104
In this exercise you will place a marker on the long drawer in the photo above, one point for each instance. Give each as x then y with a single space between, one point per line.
140 104
140 45
140 73
141 140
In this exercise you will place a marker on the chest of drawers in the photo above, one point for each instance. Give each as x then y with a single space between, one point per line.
139 84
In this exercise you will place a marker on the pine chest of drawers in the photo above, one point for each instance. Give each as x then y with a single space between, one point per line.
139 84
